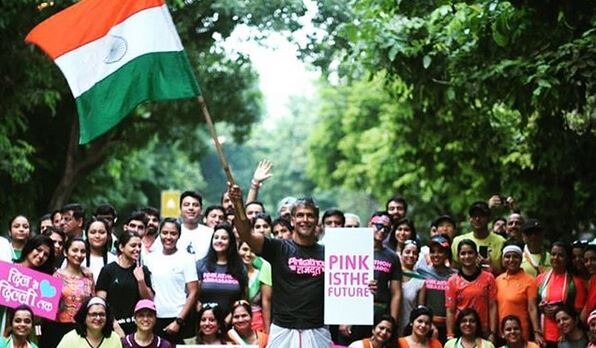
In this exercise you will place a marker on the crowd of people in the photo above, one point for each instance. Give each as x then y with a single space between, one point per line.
232 274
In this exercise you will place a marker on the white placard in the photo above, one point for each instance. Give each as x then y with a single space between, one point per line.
349 262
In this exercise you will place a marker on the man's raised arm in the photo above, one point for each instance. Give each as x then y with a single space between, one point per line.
255 241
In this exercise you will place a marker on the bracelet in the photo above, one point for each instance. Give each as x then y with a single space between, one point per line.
255 184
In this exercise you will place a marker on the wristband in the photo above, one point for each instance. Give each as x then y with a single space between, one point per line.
253 182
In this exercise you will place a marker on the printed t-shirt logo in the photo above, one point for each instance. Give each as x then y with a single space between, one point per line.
382 266
311 267
220 278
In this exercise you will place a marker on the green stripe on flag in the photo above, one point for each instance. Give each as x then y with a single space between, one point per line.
154 76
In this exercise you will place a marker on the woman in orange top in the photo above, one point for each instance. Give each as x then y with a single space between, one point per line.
382 332
512 333
241 332
558 286
517 291
418 331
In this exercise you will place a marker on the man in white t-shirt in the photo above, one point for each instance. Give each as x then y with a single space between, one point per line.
195 237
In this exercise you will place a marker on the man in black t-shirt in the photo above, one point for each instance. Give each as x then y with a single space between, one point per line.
297 273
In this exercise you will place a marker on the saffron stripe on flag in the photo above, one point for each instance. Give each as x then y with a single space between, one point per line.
147 31
156 76
71 28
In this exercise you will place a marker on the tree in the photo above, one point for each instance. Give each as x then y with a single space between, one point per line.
41 163
478 98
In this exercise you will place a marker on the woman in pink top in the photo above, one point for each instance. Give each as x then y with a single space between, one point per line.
77 287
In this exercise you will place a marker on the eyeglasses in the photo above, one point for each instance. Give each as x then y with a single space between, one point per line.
381 227
96 315
579 243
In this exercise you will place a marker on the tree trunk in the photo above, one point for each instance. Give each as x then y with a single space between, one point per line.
79 162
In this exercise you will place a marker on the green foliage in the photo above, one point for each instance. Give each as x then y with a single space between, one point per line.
469 99
38 111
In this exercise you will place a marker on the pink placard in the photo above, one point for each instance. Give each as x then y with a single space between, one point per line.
21 285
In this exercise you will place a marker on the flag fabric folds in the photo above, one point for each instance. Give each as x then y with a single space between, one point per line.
116 54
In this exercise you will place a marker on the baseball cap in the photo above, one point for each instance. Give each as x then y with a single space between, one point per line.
443 218
591 317
145 304
532 225
440 241
479 206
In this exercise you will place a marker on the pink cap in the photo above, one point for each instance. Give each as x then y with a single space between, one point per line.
145 304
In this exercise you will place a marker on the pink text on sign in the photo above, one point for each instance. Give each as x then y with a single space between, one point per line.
21 285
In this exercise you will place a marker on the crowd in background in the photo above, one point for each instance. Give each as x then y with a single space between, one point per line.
234 274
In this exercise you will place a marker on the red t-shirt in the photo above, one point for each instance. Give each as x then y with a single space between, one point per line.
556 290
476 294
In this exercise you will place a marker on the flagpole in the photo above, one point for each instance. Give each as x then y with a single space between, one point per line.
239 208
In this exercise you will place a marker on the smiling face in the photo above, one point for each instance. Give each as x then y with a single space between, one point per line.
382 331
438 255
214 217
468 326
132 249
22 323
169 235
590 261
220 241
38 256
512 332
20 229
305 222
421 326
241 319
565 322
96 318
246 254
467 255
97 235
396 210
75 254
409 255
145 320
380 231
512 261
208 323
190 210
403 232
152 224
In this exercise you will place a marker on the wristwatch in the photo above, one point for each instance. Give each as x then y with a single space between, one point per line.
179 321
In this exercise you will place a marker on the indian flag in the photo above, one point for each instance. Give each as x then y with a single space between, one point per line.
116 54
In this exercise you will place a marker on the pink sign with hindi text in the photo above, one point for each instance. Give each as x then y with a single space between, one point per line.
21 285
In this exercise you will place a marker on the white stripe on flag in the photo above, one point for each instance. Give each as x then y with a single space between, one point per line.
150 30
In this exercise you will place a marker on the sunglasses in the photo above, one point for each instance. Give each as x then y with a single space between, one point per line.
381 227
